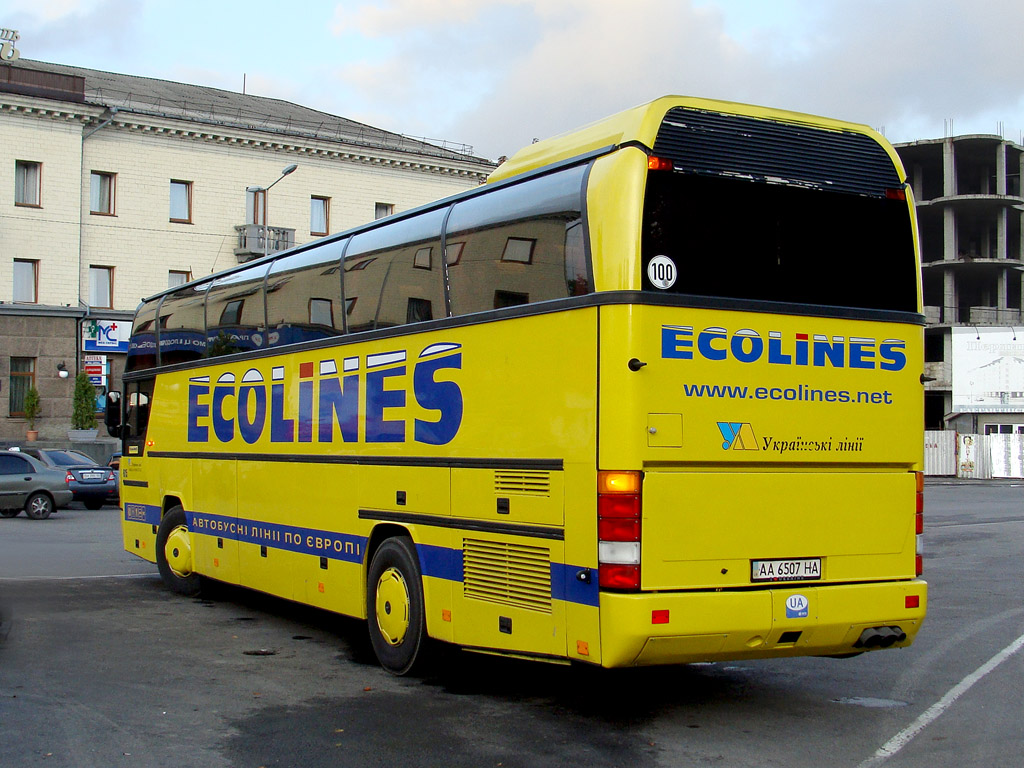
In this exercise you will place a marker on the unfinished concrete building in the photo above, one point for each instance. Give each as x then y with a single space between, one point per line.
970 209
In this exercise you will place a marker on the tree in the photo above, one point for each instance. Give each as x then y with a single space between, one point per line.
32 407
83 415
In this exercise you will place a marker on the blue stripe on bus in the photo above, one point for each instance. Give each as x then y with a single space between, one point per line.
566 586
141 513
440 562
306 541
437 562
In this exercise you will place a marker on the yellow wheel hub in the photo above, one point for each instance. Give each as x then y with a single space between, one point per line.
392 606
178 551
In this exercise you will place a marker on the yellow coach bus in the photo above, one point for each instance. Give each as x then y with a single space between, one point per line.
652 395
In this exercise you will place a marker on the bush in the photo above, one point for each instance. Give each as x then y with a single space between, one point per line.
83 415
32 407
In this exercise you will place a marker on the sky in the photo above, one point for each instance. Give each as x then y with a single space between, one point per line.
496 74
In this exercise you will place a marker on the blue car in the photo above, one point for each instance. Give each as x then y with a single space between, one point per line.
91 483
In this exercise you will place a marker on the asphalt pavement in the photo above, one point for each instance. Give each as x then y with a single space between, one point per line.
103 666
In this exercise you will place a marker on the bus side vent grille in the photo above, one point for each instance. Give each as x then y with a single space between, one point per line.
508 574
523 483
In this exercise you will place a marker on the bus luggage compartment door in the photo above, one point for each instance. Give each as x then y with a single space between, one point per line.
710 529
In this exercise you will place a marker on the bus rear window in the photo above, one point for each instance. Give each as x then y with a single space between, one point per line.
743 239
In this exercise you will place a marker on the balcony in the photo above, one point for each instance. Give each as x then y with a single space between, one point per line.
973 316
995 316
254 240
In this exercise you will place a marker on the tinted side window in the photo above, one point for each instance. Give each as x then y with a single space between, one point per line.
518 245
393 274
142 345
183 325
304 296
235 312
14 465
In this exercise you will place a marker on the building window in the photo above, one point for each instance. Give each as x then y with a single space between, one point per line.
519 249
23 378
319 215
181 201
232 312
177 277
101 193
1004 429
421 259
380 210
321 312
26 280
101 287
255 206
28 177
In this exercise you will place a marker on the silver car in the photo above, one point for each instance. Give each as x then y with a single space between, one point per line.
26 483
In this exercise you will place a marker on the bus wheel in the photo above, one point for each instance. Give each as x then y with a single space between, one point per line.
394 605
174 554
39 506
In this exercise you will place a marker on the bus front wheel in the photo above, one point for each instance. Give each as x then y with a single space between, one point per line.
174 554
394 606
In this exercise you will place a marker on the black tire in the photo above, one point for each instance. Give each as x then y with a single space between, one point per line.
394 606
93 503
172 538
9 512
39 506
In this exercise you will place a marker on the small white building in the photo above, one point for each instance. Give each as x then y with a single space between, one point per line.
115 187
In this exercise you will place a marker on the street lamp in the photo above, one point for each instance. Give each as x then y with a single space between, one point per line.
266 228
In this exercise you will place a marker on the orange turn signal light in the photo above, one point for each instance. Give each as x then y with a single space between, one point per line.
618 482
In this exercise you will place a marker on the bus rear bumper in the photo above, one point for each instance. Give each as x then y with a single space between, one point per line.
678 627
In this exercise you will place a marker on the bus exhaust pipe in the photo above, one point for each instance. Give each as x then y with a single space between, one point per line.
880 637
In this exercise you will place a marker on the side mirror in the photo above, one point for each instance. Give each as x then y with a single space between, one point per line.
112 414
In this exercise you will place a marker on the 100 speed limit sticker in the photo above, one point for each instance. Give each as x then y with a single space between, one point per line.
662 272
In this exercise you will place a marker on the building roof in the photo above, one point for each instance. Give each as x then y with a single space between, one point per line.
214 106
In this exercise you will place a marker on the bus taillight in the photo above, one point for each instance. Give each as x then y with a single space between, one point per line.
618 530
919 525
658 164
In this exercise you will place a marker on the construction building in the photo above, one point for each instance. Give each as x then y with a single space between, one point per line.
970 208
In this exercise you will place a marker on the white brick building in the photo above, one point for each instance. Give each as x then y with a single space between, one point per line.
114 187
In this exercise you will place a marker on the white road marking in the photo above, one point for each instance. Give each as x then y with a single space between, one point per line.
6 579
901 739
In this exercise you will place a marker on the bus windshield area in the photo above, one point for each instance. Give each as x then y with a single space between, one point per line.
739 238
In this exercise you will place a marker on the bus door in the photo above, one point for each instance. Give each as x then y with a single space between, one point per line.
138 398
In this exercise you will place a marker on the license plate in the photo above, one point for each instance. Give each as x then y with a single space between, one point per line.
93 475
795 569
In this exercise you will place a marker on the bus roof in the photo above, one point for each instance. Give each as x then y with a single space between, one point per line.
641 124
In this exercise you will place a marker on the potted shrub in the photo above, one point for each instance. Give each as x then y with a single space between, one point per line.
32 409
83 413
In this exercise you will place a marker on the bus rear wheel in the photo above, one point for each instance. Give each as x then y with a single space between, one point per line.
174 554
394 606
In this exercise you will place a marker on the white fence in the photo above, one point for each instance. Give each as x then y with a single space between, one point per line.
981 457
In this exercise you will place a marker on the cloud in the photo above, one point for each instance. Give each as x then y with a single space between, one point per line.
74 31
498 73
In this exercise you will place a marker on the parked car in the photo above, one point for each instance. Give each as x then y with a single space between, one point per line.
26 483
115 464
91 483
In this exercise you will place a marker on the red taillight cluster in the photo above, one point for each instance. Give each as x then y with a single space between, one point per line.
618 530
919 524
69 478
